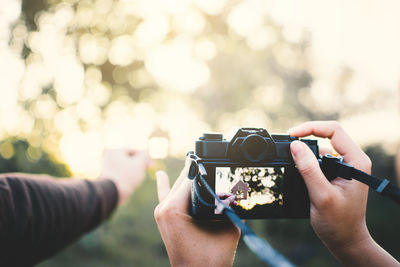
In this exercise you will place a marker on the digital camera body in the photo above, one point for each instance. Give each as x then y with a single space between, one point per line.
255 174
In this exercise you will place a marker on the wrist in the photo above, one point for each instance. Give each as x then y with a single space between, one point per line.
351 246
352 251
201 262
108 195
354 237
365 253
122 196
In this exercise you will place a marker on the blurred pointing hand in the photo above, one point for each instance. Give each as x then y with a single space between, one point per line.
126 168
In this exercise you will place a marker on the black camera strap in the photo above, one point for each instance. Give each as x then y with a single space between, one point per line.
334 167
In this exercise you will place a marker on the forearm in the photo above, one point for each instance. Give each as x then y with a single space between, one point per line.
364 253
40 215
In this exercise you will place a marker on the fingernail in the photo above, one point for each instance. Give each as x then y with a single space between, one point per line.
291 130
296 147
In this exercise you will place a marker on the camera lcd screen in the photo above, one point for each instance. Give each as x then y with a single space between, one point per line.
247 189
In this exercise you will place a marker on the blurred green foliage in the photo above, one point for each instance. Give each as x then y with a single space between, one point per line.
22 157
131 238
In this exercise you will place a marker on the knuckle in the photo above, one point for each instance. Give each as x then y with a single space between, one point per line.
157 213
362 162
164 212
308 124
336 125
366 164
326 200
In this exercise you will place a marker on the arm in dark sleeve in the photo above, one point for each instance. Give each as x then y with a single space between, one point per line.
40 215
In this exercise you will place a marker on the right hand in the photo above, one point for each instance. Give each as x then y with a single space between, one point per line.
126 168
338 207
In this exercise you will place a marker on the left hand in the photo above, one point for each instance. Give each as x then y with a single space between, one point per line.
189 242
126 168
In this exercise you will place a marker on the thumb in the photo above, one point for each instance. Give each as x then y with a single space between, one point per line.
317 184
163 186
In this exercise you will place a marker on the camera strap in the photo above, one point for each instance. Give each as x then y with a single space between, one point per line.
258 246
334 167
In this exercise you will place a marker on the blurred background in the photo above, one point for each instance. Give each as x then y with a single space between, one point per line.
79 76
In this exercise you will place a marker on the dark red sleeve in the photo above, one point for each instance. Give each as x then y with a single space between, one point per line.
40 215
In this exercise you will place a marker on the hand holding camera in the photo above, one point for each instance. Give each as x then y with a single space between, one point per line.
275 181
191 243
337 211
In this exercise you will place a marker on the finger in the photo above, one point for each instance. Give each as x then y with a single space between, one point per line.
185 170
308 166
231 198
181 197
340 140
162 185
224 195
325 150
228 199
183 175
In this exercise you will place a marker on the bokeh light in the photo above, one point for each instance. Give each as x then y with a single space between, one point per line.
84 75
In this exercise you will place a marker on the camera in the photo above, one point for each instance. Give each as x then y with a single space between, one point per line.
253 173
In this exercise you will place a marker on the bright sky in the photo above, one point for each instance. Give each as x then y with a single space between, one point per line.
360 34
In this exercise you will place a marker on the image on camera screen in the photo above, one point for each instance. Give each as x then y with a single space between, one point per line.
248 187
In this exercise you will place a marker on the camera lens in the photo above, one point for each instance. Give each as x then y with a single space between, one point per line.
255 148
